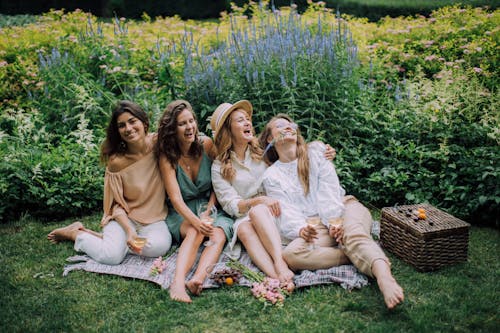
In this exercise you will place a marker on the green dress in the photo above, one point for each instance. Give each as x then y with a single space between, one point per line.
194 195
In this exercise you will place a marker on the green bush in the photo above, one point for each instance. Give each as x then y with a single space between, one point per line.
406 129
46 180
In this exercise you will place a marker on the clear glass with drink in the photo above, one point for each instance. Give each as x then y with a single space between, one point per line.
207 215
140 242
313 221
336 223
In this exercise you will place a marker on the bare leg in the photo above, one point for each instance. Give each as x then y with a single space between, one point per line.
255 249
391 290
68 232
185 260
263 223
208 258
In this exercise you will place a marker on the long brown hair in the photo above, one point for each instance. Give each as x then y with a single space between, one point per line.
271 155
224 144
167 143
113 143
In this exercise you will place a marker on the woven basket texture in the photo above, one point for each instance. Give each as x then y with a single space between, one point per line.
427 244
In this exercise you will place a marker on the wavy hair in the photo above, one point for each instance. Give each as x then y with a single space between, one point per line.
271 155
224 144
167 143
113 143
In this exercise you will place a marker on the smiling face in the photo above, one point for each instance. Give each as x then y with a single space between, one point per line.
131 128
186 127
241 126
282 131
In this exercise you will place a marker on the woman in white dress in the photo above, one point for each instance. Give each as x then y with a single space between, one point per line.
237 180
306 184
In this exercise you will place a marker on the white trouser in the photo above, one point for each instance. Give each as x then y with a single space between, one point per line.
112 248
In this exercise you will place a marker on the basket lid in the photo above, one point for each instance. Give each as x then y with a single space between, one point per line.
436 223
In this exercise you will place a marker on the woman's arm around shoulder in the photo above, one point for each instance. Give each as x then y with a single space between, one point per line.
208 146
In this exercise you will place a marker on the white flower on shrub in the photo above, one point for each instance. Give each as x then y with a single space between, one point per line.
84 136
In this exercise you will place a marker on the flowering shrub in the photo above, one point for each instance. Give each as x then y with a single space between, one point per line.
281 61
409 103
451 38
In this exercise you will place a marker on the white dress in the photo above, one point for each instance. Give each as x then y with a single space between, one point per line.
246 184
281 181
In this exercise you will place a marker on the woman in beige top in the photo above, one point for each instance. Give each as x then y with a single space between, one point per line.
134 195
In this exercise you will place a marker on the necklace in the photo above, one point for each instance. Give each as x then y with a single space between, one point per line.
183 159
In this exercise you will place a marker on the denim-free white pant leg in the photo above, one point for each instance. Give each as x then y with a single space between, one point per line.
159 239
111 249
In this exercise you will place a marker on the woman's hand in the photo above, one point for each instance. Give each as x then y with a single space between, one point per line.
272 204
330 152
337 233
308 233
206 228
131 235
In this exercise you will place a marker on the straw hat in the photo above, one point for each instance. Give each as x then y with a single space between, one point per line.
224 110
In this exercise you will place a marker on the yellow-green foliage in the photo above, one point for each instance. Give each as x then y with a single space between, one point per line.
411 103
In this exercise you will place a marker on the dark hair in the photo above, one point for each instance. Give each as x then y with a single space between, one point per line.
167 143
113 144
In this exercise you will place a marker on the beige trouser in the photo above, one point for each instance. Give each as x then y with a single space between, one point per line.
298 254
359 246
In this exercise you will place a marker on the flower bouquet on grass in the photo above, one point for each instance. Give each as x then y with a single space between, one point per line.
265 289
158 266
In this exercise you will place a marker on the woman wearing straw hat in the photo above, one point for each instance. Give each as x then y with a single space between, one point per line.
237 179
306 185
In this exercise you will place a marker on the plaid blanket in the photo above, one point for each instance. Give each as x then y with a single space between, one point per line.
139 267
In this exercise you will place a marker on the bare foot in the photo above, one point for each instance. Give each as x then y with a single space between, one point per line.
178 293
284 273
195 286
65 233
391 290
289 286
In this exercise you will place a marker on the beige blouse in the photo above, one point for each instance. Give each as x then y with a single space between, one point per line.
136 191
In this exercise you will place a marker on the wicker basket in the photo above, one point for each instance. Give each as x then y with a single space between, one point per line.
427 244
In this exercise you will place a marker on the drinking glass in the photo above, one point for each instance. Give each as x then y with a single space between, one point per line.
313 221
140 242
336 222
207 215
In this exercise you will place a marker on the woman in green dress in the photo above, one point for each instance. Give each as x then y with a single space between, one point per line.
185 160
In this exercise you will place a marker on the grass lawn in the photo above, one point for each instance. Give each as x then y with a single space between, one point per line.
460 298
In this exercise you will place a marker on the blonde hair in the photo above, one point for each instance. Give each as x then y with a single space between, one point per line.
271 155
224 144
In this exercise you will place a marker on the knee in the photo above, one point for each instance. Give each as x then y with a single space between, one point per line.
257 212
112 256
218 236
245 232
157 249
193 233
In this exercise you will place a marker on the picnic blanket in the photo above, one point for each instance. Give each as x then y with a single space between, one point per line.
138 267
